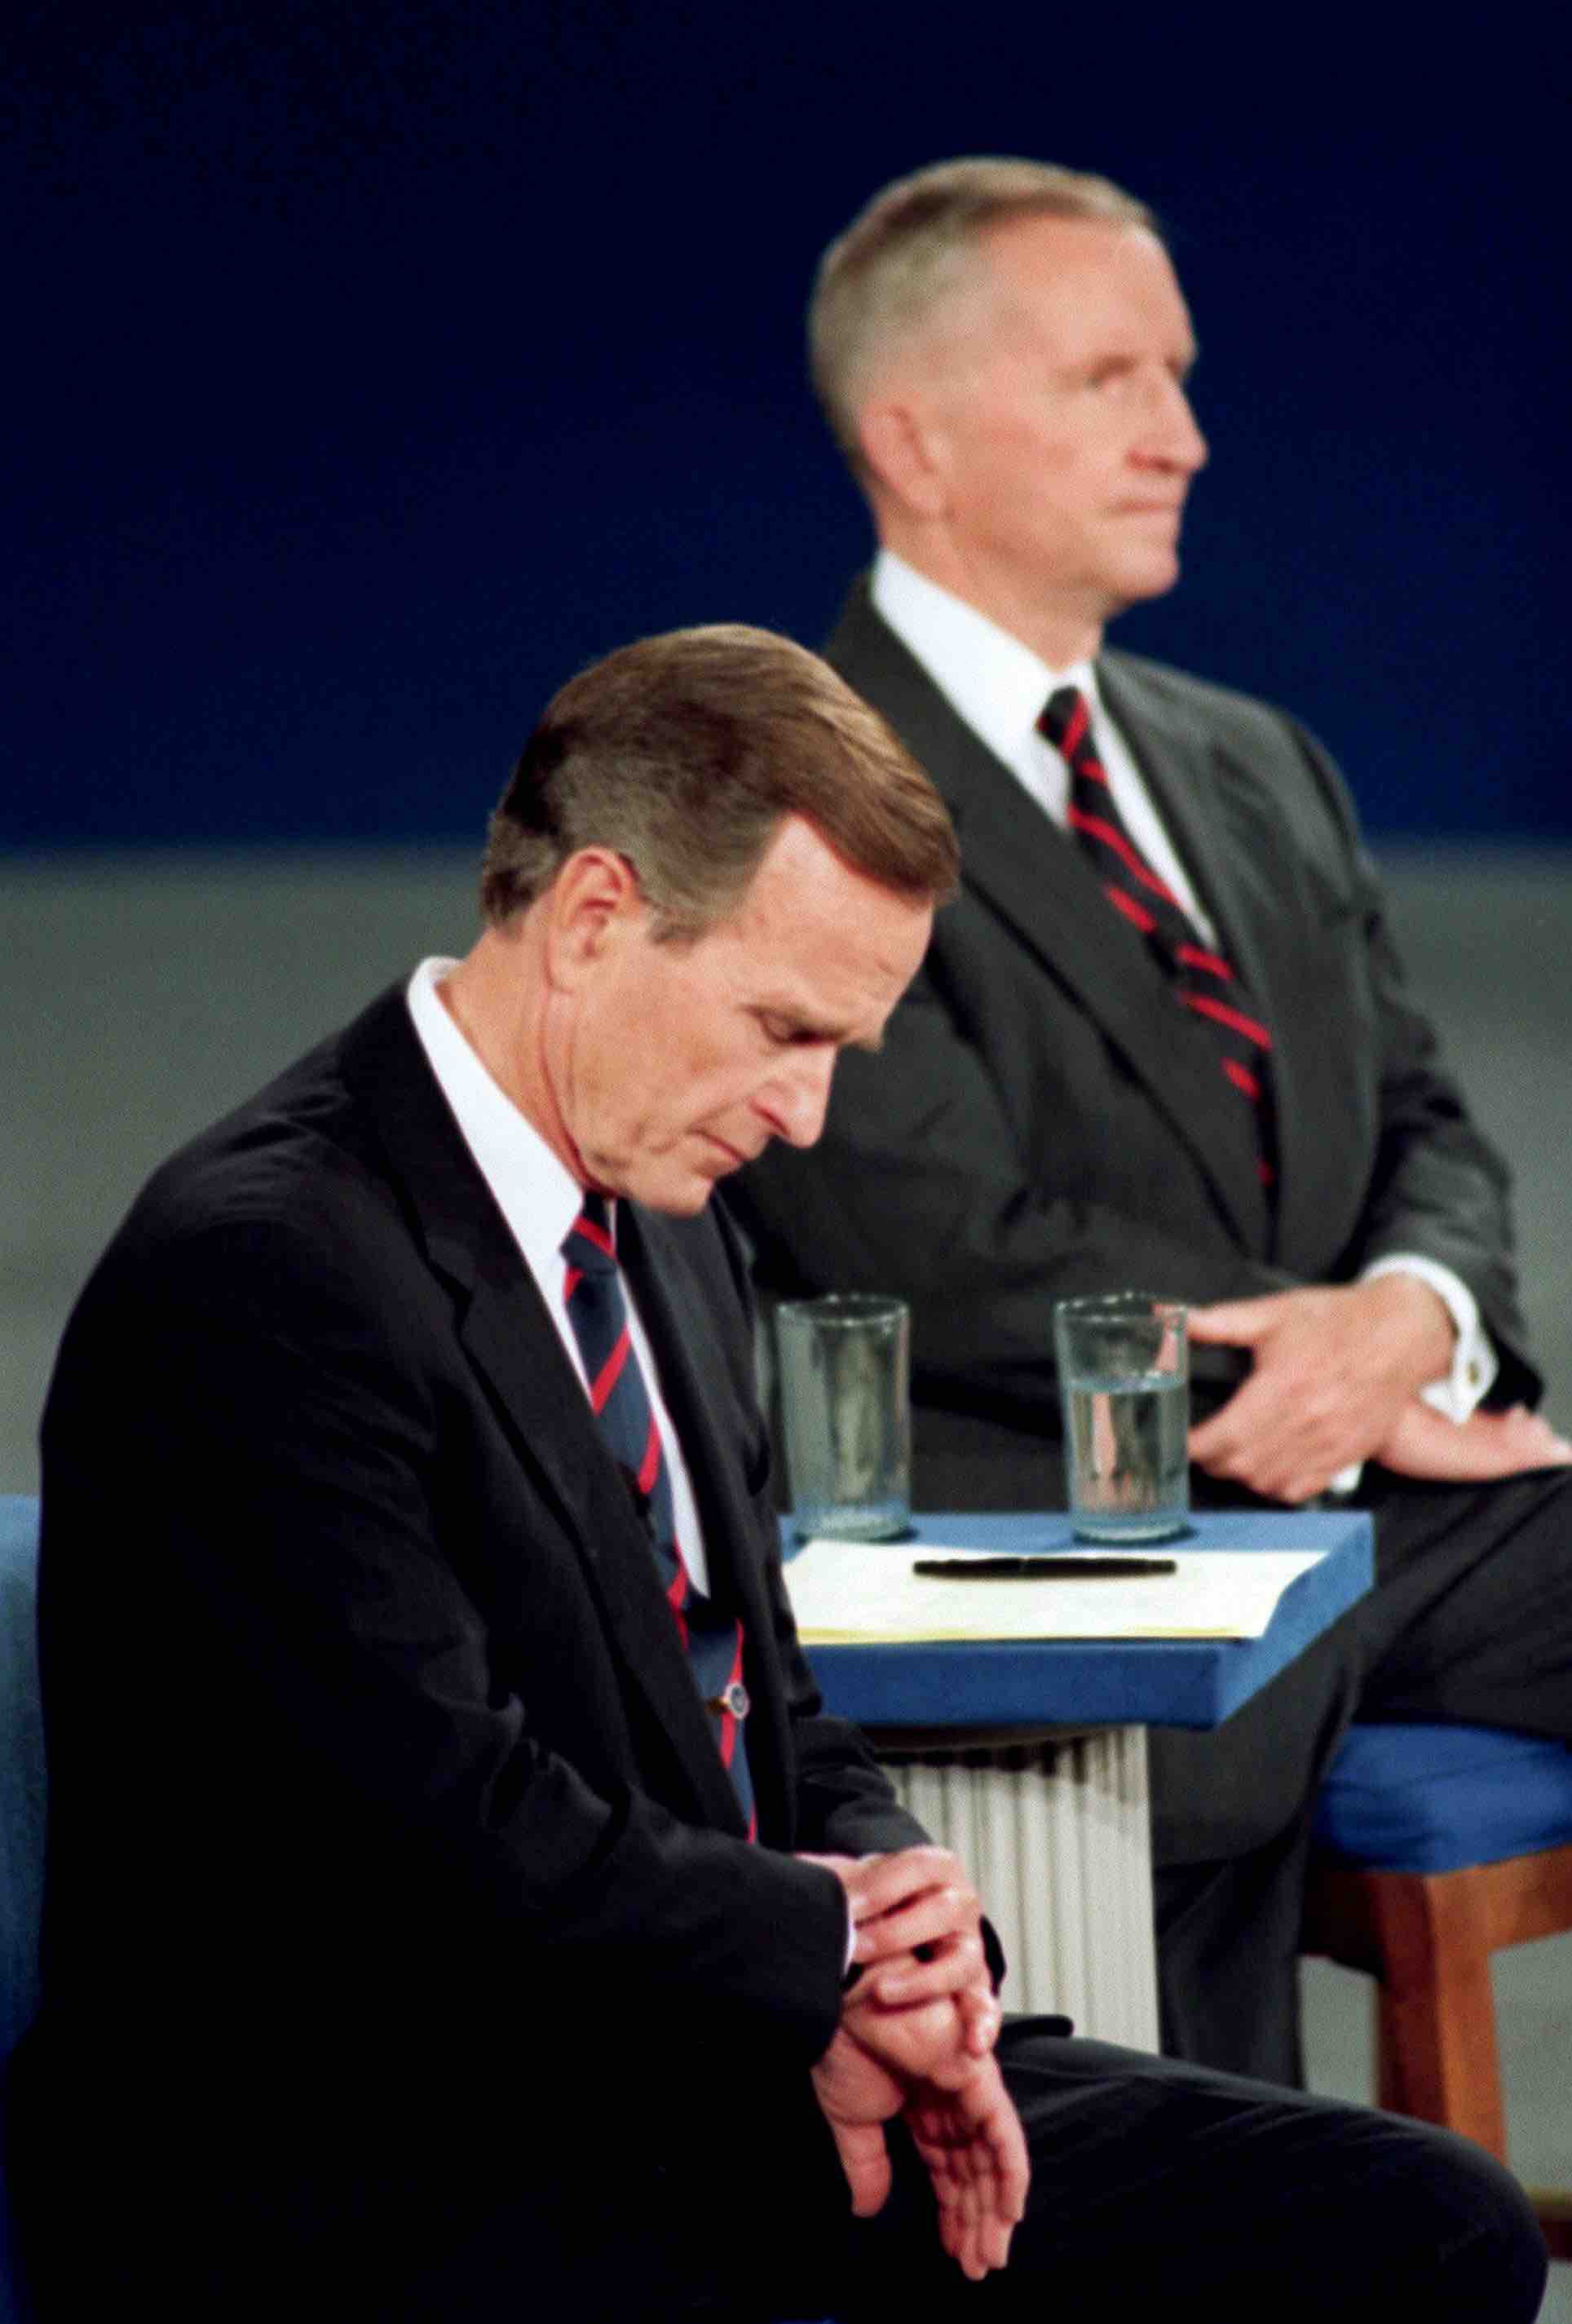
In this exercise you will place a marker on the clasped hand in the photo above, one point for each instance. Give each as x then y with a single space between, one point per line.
1335 1380
916 2039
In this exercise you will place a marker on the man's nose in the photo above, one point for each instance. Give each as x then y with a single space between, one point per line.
798 1097
1171 434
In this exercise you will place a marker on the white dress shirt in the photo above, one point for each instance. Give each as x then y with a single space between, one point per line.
540 1199
998 686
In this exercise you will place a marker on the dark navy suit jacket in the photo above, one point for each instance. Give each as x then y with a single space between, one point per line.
394 1880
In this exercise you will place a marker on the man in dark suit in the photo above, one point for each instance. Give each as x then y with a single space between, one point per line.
459 1905
1162 1041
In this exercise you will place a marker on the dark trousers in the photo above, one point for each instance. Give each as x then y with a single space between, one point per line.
1158 2188
1163 2189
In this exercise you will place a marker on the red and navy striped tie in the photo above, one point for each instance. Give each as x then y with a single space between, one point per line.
713 1641
1203 979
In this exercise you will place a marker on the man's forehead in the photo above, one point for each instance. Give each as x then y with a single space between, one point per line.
1062 244
1087 272
820 940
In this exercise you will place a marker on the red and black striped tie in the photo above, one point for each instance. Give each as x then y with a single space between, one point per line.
713 1641
1203 979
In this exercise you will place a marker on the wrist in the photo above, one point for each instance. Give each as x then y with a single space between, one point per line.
1422 1318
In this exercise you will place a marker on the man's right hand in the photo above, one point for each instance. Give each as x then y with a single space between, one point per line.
970 2139
1333 1366
857 2097
963 2122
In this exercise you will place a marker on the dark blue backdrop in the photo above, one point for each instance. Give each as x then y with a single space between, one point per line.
372 367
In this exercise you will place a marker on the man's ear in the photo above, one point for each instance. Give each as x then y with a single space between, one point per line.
903 448
593 905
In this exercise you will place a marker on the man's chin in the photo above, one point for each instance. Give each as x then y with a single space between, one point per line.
687 1202
1153 577
679 1193
680 1179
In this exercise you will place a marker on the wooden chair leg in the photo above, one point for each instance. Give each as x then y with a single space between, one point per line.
1427 1940
1436 2047
1553 2210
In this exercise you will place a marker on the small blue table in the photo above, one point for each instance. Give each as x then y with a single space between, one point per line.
1030 1759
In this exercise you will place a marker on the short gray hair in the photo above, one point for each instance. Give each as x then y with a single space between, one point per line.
912 248
685 753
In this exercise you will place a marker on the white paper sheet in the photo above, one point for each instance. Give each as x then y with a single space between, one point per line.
863 1594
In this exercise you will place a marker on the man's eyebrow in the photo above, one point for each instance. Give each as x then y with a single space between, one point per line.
844 1037
817 1029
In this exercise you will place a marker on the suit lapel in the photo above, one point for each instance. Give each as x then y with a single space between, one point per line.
1219 812
1218 825
1028 872
513 1345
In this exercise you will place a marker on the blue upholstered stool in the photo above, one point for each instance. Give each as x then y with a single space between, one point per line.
1436 1847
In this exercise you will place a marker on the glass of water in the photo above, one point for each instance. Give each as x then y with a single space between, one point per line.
846 1412
1124 1383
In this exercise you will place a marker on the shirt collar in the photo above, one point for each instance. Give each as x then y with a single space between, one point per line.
537 1193
998 684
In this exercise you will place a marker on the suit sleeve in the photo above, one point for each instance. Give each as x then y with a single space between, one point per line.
313 1598
1436 1187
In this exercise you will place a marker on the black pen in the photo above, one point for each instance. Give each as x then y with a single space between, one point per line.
1042 1569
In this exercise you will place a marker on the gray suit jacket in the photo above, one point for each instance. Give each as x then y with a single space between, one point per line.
1042 1120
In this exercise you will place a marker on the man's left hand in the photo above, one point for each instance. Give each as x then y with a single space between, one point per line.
1486 1446
1334 1368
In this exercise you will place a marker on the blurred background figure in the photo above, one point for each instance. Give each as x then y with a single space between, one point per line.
1163 1041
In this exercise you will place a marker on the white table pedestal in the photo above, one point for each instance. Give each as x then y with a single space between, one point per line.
1054 1831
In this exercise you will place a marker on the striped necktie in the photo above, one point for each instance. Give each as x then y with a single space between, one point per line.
1203 979
598 1313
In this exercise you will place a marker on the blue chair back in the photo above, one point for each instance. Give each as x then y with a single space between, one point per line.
21 1819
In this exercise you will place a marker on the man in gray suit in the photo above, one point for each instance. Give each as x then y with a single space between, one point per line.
1162 1039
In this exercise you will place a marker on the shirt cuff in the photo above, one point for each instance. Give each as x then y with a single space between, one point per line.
1474 1364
